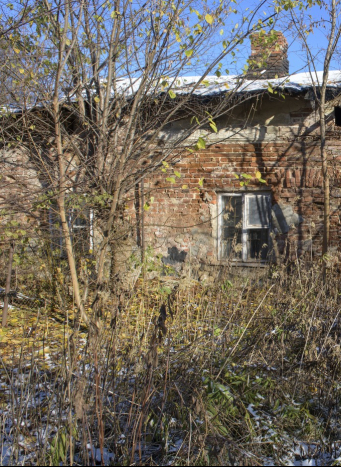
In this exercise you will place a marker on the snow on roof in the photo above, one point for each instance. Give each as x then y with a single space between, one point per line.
213 85
298 82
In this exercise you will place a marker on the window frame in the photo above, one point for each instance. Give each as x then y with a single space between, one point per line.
246 227
56 233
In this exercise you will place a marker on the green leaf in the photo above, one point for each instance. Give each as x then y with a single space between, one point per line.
236 175
247 176
201 143
270 89
165 164
201 182
196 120
217 331
189 53
262 180
172 94
146 206
209 19
177 174
170 179
214 127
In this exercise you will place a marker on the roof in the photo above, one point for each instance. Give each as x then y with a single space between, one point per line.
213 85
297 82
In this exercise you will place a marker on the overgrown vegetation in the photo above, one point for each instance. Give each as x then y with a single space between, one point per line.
245 371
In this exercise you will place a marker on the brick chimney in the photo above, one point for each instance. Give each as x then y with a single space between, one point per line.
268 55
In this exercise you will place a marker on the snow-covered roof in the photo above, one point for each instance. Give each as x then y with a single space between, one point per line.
212 85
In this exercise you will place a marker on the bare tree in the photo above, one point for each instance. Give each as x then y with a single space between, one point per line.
106 81
333 27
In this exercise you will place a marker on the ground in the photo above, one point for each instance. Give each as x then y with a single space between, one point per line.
240 372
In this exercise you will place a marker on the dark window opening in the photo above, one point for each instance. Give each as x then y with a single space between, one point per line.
337 111
258 244
232 226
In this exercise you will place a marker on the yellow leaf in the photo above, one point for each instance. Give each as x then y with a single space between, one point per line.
209 19
258 175
22 71
17 51
96 99
184 187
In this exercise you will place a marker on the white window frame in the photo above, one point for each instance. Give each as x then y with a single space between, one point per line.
246 225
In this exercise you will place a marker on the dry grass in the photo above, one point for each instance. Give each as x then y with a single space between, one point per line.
239 372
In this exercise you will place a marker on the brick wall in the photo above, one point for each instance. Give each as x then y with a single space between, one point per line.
185 217
273 57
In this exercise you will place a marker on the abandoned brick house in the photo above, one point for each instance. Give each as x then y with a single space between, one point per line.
207 214
216 207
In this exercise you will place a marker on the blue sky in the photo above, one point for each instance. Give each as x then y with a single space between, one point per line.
297 57
317 39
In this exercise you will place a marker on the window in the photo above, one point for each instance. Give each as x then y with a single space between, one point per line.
81 228
244 224
337 111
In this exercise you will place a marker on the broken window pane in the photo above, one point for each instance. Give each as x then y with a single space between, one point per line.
258 244
232 226
244 226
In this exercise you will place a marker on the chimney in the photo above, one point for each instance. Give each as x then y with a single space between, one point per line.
268 55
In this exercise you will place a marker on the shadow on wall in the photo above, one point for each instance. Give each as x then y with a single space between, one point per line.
284 217
174 257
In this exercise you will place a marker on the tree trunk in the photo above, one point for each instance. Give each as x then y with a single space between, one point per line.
326 186
62 189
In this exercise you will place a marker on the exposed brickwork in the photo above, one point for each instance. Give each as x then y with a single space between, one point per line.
272 58
186 217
